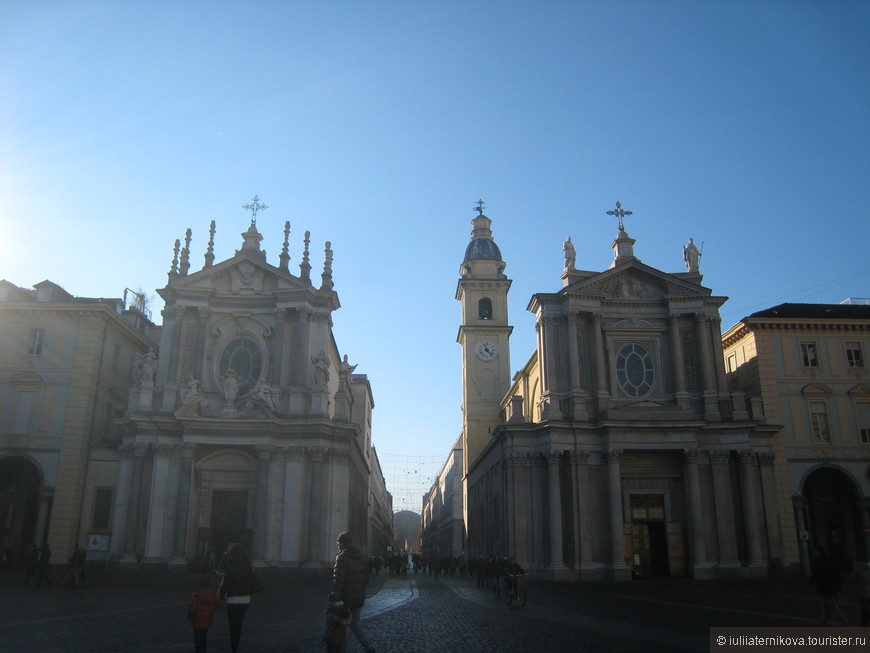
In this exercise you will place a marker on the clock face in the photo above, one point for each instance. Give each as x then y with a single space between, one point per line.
486 350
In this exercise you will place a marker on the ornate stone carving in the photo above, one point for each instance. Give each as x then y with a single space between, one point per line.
719 457
612 455
630 288
690 456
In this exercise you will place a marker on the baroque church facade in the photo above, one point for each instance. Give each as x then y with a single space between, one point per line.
239 422
618 450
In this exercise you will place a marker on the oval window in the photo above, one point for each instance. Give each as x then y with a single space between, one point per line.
244 356
635 371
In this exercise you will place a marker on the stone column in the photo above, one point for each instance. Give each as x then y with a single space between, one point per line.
316 506
261 495
45 495
751 501
583 511
295 512
134 514
700 566
509 463
617 533
600 357
185 479
201 329
725 522
719 355
554 489
770 521
122 501
157 508
799 504
677 358
548 350
708 366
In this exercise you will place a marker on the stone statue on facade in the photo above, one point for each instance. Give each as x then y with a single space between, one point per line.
691 256
321 368
570 254
192 397
345 369
230 384
147 367
262 392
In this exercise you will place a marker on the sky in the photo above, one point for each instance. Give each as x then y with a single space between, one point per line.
379 125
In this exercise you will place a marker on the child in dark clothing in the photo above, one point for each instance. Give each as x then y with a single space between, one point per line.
337 620
201 612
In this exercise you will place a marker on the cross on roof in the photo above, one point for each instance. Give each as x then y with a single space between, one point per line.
619 213
253 207
479 207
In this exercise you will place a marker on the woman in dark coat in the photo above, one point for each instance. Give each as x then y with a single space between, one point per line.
237 587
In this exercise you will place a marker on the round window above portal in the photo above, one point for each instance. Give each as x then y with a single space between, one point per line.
245 357
635 370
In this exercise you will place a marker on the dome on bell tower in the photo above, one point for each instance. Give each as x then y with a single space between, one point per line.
482 247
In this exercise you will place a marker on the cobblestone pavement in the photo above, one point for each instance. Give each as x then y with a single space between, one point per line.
145 612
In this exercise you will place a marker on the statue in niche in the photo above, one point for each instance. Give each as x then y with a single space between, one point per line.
570 254
147 367
345 369
691 256
321 368
192 398
263 392
230 384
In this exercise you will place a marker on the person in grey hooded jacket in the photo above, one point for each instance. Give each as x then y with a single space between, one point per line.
350 575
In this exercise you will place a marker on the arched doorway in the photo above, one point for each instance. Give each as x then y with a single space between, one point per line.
19 503
834 518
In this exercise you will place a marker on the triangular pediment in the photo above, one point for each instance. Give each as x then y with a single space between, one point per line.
635 281
240 275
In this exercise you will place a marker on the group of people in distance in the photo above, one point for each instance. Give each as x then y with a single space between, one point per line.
239 583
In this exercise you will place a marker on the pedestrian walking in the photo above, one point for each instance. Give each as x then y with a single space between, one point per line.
350 575
201 611
237 586
31 564
42 565
861 589
826 577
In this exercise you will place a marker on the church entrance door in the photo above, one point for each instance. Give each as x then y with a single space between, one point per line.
229 513
649 535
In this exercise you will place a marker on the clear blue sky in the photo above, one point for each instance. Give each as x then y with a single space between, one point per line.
378 125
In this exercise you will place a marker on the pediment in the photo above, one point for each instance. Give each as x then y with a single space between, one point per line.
240 275
636 281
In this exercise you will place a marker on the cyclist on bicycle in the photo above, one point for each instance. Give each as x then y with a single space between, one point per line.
511 570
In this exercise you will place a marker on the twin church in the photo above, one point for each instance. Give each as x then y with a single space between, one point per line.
618 449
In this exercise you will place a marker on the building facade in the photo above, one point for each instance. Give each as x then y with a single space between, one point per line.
618 450
443 515
64 380
237 421
804 366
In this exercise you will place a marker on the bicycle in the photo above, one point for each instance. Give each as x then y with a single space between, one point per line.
515 591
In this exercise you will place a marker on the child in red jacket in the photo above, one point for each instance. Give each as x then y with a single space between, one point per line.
201 612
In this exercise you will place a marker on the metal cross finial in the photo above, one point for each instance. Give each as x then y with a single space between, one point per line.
619 213
479 207
253 207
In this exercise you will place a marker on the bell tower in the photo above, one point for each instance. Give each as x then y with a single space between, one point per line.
484 335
